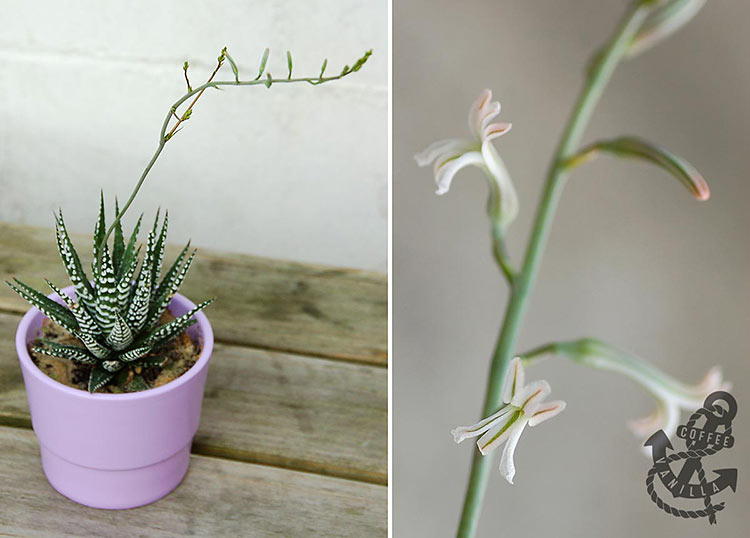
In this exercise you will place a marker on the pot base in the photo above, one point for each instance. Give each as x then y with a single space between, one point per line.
115 489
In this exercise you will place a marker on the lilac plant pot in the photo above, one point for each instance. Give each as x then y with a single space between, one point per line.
115 451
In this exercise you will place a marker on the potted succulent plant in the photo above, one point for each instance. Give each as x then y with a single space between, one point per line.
115 366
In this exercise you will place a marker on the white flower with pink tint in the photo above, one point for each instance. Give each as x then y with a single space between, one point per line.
524 405
451 155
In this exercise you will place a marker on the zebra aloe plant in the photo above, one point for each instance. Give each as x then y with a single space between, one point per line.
115 319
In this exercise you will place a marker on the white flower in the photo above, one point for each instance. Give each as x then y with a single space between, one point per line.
672 397
524 404
453 154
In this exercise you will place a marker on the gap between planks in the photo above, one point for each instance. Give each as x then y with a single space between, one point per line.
313 415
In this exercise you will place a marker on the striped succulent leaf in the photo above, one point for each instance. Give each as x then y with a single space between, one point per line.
118 245
168 288
136 353
175 267
106 307
121 336
53 310
86 323
63 351
130 253
99 231
72 263
159 252
115 319
113 365
96 348
99 377
162 334
125 284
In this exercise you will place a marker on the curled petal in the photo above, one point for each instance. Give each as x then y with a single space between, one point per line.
546 411
645 426
465 432
495 130
711 382
503 204
451 146
514 379
499 432
531 396
446 169
666 417
482 112
507 466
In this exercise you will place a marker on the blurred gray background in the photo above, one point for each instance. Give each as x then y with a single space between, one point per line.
632 259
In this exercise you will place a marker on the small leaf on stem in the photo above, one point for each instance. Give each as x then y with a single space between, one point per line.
263 62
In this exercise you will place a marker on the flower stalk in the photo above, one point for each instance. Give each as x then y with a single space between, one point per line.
523 283
166 134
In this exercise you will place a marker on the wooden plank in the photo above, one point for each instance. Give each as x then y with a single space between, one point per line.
217 498
304 413
271 304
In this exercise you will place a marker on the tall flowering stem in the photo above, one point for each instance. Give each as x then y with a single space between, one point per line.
167 133
523 283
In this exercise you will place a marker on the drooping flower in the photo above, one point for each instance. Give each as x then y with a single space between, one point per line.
672 396
453 154
524 405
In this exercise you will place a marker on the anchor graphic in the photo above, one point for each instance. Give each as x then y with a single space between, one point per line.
700 442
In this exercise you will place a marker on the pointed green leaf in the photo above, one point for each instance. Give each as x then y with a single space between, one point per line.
112 365
130 250
99 378
161 302
125 284
165 283
53 310
148 362
235 71
74 353
289 63
637 148
159 253
135 353
72 263
92 344
263 62
106 307
138 309
159 335
118 247
86 323
99 232
137 384
121 336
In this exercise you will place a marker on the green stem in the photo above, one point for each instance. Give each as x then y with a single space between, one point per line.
164 137
523 283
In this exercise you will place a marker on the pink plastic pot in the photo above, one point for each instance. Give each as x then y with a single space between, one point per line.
115 450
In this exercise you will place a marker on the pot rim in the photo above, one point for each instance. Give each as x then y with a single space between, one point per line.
204 329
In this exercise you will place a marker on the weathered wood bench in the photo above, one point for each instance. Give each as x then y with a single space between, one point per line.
293 435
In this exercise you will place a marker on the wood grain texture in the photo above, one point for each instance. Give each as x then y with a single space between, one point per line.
304 413
217 498
270 304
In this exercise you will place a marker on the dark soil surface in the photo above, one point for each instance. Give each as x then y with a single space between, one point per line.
179 355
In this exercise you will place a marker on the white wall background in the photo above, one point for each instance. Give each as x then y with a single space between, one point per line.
296 172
